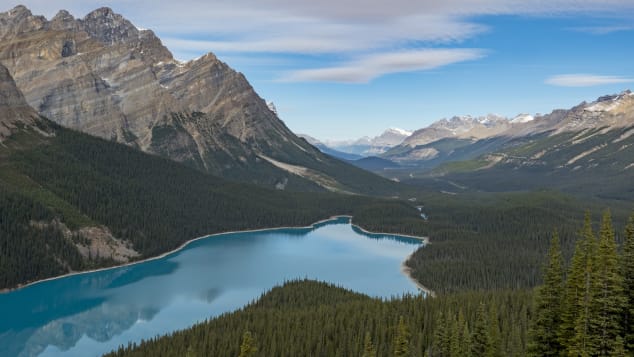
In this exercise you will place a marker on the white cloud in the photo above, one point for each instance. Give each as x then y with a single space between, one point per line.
585 80
366 69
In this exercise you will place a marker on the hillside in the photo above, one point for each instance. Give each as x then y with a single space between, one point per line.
105 77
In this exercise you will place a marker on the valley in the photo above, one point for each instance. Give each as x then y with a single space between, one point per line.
152 206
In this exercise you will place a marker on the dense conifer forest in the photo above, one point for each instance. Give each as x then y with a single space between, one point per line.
498 241
585 312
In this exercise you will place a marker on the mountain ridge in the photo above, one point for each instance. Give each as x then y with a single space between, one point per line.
431 143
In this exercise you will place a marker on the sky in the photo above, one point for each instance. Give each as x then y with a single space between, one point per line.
342 69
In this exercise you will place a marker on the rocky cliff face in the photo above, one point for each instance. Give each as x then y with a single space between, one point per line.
103 76
15 113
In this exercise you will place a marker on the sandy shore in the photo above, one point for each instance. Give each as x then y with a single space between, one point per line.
406 270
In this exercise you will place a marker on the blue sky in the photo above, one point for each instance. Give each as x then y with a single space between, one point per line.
339 69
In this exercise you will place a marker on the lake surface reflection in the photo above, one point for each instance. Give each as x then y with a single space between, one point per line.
91 314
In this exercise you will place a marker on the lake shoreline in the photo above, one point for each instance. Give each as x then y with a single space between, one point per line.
187 243
405 270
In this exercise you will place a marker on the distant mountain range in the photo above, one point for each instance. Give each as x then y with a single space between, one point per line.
588 149
104 76
362 147
466 137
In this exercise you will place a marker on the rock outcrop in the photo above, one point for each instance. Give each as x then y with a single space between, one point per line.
15 113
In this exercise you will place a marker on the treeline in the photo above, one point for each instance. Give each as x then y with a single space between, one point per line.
152 202
307 318
28 252
589 310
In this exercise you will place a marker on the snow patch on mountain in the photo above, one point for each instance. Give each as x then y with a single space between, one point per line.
399 131
522 118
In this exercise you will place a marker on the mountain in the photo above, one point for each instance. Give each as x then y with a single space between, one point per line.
367 146
104 76
466 138
588 149
461 129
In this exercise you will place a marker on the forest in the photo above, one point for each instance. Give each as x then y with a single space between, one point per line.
583 308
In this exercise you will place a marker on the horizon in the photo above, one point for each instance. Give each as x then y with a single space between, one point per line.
338 74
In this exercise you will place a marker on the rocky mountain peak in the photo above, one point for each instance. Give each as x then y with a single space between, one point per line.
108 27
19 20
63 20
20 11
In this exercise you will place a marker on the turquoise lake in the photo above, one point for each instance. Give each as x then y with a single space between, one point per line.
94 313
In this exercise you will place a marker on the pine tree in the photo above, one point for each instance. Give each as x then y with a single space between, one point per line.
480 340
454 338
401 339
465 336
608 301
627 271
544 332
368 347
442 336
495 339
248 347
575 312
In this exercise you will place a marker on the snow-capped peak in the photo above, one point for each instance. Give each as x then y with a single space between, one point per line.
400 131
522 118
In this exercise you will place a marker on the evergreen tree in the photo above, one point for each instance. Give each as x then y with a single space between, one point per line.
495 338
575 314
627 271
368 347
608 301
401 339
441 345
454 338
480 340
248 347
465 337
546 325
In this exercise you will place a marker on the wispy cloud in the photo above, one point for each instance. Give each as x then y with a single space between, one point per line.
603 30
585 80
368 68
